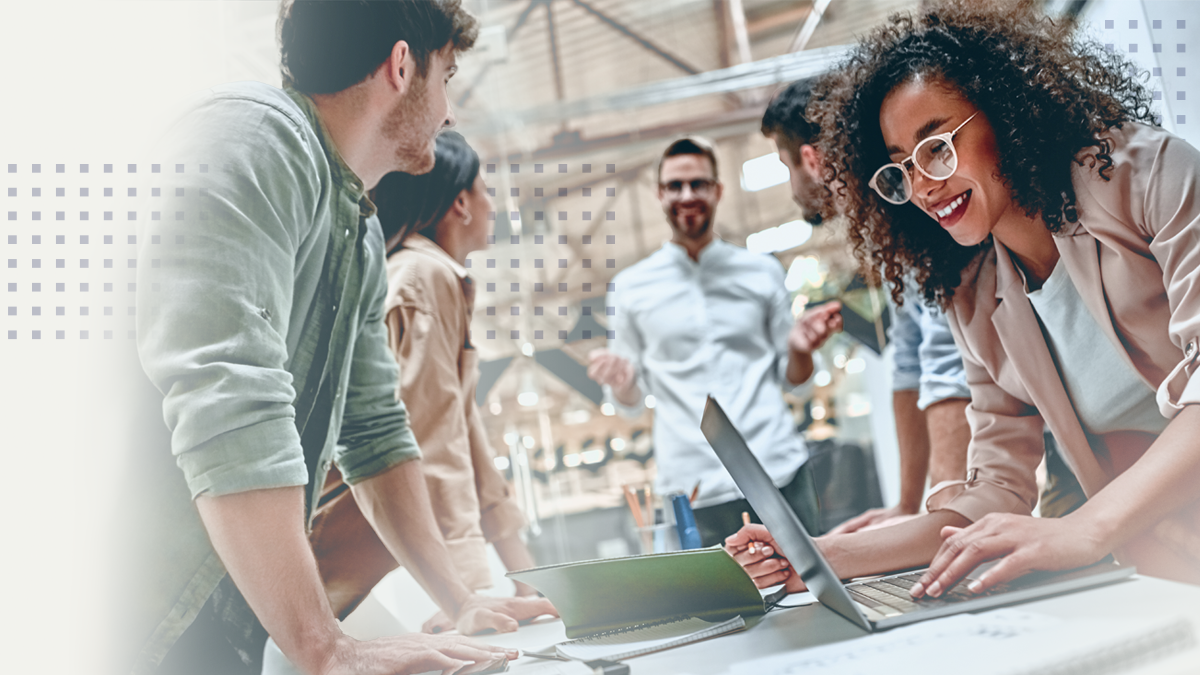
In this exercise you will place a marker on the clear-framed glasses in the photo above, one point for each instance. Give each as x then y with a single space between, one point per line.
701 187
935 157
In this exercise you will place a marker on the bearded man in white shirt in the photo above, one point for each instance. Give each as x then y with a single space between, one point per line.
701 316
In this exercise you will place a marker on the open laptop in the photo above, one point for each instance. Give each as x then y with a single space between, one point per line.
882 602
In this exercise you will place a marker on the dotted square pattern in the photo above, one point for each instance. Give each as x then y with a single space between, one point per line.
72 245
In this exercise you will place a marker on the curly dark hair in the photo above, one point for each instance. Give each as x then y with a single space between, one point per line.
1049 94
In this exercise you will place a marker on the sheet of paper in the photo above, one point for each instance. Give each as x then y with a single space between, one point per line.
993 643
528 667
915 650
797 599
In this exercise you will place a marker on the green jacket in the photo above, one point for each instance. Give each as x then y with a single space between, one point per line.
260 323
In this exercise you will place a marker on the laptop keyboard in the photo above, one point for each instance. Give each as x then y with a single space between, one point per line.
890 596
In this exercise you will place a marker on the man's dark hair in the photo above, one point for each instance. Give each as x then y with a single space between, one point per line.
690 145
785 119
329 45
409 203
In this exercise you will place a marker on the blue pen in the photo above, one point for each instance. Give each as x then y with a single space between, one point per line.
685 522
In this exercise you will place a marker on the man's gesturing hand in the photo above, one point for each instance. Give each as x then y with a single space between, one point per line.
606 367
814 327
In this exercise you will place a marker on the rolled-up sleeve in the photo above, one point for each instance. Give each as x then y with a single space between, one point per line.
213 316
925 356
1169 209
905 335
779 326
375 429
942 373
1002 458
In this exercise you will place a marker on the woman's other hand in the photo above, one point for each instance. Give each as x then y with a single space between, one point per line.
1023 543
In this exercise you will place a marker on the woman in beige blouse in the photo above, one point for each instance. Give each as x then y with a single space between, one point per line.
1018 171
431 223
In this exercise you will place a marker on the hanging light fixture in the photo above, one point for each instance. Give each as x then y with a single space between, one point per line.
528 395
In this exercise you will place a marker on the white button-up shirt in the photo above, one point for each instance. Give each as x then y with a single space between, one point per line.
717 326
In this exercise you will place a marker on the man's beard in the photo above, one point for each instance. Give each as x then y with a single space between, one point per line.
697 233
406 131
810 201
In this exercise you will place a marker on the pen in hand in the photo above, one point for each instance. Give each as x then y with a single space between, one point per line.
746 521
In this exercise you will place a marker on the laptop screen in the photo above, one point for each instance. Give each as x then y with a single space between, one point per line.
777 514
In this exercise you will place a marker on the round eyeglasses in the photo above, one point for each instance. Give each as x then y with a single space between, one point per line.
935 157
701 187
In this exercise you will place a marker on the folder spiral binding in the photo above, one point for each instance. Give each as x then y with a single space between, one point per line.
624 643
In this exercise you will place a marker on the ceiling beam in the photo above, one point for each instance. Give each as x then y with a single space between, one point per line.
721 17
510 35
559 89
737 13
644 42
805 33
763 73
764 25
719 126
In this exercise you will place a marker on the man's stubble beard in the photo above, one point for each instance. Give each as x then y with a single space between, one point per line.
810 200
704 228
404 129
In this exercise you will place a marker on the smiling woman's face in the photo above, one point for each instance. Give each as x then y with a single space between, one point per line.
970 203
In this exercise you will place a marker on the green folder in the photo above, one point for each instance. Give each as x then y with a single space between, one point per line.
597 596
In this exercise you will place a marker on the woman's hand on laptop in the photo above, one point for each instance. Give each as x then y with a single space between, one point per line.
755 550
1025 543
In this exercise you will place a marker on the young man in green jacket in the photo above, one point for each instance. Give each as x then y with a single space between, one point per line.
260 321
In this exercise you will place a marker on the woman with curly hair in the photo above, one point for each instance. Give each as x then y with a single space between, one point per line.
1015 169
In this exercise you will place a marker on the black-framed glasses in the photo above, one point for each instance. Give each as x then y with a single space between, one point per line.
935 157
701 187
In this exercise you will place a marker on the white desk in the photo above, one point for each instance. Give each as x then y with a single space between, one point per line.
782 630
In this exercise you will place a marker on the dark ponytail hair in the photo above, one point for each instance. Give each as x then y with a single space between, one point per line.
409 203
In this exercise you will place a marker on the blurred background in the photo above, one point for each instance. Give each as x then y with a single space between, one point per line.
570 103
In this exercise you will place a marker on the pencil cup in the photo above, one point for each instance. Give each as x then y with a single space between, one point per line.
659 538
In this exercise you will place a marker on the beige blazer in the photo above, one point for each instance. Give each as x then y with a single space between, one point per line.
429 318
1135 258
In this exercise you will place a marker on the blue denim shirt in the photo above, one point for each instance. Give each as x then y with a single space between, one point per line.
925 355
260 321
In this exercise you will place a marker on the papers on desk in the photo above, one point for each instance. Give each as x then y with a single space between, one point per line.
551 668
560 668
1002 642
